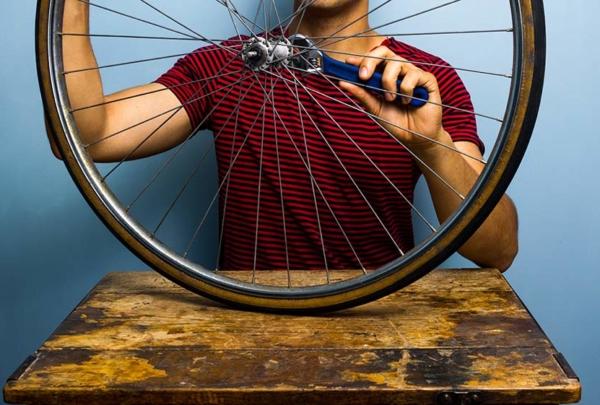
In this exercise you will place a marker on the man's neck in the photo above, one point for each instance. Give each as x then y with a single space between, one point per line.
351 21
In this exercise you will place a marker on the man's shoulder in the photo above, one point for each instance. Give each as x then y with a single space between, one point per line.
447 76
412 53
222 48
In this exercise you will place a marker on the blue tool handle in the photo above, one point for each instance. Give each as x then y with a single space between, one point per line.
350 73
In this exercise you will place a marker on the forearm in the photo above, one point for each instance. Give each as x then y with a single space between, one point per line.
85 87
129 124
495 243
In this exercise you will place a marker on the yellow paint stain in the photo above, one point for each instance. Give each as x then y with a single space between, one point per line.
366 358
100 371
125 336
145 305
510 371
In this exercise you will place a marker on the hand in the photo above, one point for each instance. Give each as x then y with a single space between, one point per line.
412 126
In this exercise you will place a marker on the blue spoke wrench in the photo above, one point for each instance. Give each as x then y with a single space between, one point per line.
312 60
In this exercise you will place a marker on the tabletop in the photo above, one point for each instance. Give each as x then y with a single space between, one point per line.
456 336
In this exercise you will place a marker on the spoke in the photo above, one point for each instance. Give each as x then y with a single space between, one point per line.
375 120
258 8
412 34
285 238
403 19
232 152
274 8
341 162
136 18
202 37
230 12
189 179
225 177
316 184
366 86
241 18
236 52
79 34
266 19
414 62
157 91
312 183
260 171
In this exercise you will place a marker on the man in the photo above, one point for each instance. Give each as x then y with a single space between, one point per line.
310 180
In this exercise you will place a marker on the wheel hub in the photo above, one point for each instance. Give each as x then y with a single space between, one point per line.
260 53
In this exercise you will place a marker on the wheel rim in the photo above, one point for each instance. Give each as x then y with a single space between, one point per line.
505 157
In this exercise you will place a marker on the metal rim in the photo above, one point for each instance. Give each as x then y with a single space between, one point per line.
522 108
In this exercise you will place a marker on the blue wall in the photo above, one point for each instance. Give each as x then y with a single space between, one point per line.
53 249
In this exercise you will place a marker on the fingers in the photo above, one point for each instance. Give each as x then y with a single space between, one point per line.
370 62
372 103
395 68
354 60
410 81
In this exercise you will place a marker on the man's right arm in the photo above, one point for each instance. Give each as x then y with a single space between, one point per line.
97 124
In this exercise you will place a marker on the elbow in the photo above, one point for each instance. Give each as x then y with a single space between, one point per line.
500 257
96 154
57 155
506 259
56 152
504 247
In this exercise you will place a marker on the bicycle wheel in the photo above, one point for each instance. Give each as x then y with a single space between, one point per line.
243 33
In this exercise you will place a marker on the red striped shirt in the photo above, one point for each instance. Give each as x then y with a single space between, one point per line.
322 218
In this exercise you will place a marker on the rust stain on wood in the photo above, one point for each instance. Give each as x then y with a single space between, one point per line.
98 372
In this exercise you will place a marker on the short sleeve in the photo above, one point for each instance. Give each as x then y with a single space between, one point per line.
185 80
458 118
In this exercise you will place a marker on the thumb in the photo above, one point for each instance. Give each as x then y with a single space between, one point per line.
372 103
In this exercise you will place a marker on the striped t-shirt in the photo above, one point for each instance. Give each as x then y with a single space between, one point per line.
297 189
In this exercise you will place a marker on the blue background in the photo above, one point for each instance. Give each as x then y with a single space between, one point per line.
53 249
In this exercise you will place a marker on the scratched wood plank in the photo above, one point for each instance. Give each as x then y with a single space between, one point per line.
194 375
138 338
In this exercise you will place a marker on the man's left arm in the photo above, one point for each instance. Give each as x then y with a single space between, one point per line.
495 243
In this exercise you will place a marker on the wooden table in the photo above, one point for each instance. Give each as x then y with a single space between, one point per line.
458 336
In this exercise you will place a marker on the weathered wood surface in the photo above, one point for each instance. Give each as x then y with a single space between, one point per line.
139 339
